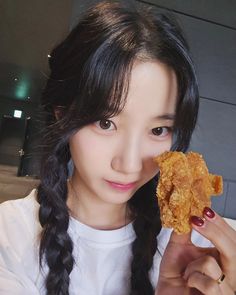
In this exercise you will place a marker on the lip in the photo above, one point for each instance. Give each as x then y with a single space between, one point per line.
123 187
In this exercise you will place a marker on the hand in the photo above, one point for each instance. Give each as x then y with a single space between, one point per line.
187 269
223 237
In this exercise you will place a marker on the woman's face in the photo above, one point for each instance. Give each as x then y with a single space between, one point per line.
114 158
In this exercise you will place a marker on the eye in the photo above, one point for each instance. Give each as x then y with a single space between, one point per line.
105 124
161 131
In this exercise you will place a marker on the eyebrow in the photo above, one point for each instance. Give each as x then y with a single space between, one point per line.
170 117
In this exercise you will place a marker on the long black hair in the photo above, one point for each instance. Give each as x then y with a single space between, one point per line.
89 81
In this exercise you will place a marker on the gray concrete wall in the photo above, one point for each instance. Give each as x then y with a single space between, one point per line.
210 27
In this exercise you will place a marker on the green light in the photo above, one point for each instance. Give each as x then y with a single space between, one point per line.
22 90
22 87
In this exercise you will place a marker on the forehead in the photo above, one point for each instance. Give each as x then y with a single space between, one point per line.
152 90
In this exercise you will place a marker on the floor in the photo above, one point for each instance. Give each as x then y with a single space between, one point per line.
13 187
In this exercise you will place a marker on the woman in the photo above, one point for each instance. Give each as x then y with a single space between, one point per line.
122 90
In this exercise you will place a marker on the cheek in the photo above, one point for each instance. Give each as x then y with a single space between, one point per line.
163 147
155 149
85 146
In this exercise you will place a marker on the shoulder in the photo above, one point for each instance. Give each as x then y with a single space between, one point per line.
19 212
19 220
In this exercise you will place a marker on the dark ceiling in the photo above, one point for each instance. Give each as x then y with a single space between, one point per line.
28 31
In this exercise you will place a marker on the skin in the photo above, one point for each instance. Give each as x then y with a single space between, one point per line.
121 150
187 269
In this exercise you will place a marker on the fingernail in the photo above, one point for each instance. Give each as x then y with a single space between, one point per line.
208 212
197 220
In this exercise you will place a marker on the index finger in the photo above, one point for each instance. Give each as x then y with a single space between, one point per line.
219 233
224 225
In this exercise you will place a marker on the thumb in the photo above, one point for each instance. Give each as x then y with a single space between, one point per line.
180 238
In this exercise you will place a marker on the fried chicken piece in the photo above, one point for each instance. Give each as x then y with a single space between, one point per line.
184 189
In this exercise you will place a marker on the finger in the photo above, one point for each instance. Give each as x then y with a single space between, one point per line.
182 239
208 286
213 232
206 265
213 252
204 284
211 215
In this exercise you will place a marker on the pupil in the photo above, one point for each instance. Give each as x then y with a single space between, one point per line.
157 131
105 124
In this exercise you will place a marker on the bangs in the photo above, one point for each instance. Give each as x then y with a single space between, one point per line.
104 84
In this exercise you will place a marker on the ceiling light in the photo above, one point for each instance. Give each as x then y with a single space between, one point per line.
17 114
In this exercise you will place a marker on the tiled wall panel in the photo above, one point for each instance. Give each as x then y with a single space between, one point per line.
215 137
230 205
214 52
218 11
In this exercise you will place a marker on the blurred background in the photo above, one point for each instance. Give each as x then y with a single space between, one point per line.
29 29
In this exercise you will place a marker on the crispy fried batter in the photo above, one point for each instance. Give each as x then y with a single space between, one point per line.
184 189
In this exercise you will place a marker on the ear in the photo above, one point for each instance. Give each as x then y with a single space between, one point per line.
59 112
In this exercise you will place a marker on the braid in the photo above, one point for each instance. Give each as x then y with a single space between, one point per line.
146 226
56 243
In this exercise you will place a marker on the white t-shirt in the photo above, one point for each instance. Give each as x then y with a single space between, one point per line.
102 257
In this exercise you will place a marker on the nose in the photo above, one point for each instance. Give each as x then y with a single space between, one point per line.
128 159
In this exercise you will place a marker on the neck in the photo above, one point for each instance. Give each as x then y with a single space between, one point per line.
97 214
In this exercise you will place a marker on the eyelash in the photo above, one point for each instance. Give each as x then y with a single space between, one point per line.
169 130
98 124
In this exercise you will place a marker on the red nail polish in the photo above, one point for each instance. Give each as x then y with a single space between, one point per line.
208 212
197 220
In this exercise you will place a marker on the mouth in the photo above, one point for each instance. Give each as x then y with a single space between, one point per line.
123 187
